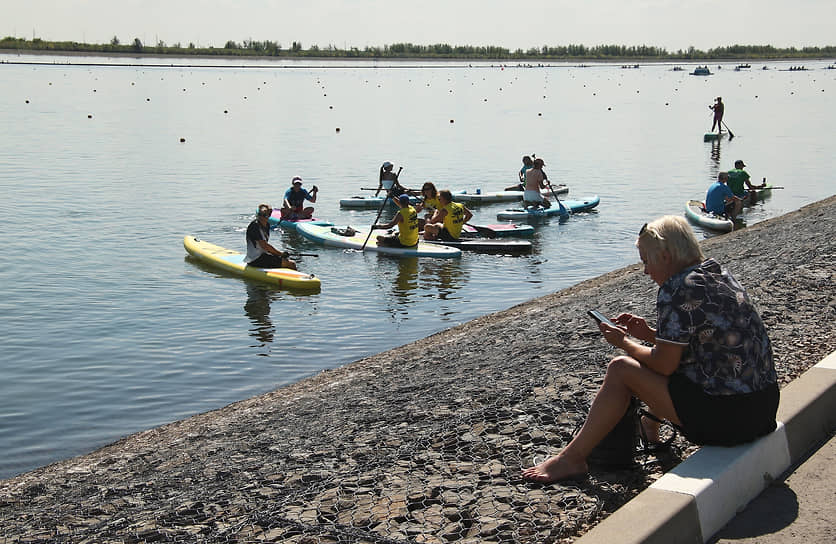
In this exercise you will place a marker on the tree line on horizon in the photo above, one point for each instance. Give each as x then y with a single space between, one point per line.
408 50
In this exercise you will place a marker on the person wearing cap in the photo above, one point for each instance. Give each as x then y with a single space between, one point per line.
718 107
294 201
738 177
407 221
720 200
260 253
388 182
447 221
535 182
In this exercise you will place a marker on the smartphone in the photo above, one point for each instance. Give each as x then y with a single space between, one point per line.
599 318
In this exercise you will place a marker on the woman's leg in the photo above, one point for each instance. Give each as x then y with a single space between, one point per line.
625 378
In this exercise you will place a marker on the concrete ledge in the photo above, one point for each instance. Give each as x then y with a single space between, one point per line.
697 498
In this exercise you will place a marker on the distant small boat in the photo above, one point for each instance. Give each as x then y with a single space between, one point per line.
677 69
701 71
740 67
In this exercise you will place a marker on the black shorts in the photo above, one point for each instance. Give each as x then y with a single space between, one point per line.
267 260
445 236
722 420
391 240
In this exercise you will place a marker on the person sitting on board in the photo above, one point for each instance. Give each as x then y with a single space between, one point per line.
389 182
528 164
738 177
535 182
448 220
294 201
720 200
407 221
429 203
708 368
260 253
718 108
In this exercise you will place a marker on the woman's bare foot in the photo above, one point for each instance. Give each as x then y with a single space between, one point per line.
557 468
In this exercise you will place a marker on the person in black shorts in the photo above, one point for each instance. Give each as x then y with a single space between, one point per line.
260 253
707 368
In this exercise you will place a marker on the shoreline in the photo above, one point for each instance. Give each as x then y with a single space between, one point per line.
424 442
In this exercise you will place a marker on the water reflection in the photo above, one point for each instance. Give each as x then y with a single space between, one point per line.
715 155
418 278
257 309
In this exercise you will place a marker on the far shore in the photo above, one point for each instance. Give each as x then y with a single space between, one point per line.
509 62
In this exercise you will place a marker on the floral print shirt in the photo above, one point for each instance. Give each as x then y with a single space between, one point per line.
727 350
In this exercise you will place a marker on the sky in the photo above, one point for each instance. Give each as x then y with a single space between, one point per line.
669 24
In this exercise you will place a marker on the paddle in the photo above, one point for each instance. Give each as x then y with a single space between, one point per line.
303 255
380 211
731 134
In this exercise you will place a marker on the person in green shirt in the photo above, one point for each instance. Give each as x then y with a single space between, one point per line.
738 178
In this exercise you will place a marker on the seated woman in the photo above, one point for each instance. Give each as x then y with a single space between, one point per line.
709 370
388 181
429 203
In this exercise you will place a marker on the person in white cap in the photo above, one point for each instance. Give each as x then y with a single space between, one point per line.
388 182
294 201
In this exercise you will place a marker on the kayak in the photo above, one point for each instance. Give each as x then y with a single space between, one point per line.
233 261
695 212
339 237
372 201
290 224
482 245
711 136
500 230
502 196
570 206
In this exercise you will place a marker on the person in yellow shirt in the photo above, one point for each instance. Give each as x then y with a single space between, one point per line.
429 203
407 221
447 221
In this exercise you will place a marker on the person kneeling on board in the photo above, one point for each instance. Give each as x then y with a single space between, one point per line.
407 221
720 200
294 201
260 253
535 181
447 221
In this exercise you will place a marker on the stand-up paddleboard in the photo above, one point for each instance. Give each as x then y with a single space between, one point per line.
290 224
756 195
354 237
502 196
233 261
712 136
695 212
483 245
571 206
499 230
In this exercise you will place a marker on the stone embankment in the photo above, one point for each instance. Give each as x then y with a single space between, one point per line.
423 443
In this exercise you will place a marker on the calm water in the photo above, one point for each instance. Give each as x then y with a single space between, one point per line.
107 328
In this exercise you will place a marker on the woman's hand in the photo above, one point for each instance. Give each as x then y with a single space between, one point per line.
613 335
636 327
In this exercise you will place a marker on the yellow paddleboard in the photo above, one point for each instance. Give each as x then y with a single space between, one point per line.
233 261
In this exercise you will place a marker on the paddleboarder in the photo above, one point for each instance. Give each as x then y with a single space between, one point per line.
447 221
719 108
294 201
535 182
720 200
388 181
738 177
260 253
528 164
407 221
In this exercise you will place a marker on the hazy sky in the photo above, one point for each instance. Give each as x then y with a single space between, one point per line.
672 24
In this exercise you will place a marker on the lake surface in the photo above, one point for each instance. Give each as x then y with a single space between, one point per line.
108 328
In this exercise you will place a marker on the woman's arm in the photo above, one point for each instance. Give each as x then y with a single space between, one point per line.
662 358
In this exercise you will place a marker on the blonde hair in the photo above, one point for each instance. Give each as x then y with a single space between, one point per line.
673 234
